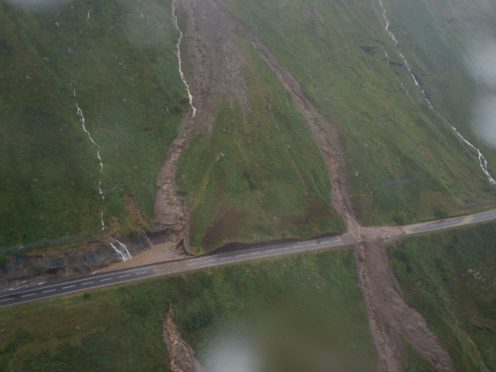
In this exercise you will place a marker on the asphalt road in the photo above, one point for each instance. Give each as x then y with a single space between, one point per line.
93 281
449 223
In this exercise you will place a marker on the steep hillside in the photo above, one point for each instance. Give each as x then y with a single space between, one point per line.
93 96
250 179
252 171
404 160
451 279
116 62
445 41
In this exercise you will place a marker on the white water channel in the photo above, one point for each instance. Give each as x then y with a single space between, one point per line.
121 249
482 159
82 120
179 60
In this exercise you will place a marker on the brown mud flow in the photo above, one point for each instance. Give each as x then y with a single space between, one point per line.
182 356
390 318
215 65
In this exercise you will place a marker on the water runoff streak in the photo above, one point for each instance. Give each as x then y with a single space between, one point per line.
82 120
482 159
179 60
119 247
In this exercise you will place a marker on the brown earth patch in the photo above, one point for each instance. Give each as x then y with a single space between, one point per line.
182 356
390 319
211 48
225 226
313 214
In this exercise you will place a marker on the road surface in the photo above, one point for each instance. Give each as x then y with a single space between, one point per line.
449 223
93 281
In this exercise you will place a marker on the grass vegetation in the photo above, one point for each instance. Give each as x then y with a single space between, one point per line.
404 163
119 58
259 175
450 278
438 38
413 361
315 297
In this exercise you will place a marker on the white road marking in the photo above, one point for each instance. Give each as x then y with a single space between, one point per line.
29 295
192 263
124 276
87 283
68 286
49 290
105 279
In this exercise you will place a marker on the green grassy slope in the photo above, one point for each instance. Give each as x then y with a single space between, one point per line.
315 299
437 37
450 279
259 176
413 361
124 70
403 161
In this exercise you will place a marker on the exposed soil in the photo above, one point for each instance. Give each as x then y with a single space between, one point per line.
182 356
226 223
155 254
24 269
324 134
390 318
216 66
217 63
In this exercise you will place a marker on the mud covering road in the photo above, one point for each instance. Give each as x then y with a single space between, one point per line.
182 356
390 318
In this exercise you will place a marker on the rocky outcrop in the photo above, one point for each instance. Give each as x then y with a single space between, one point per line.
28 268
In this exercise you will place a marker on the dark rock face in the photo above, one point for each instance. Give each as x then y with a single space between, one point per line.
23 269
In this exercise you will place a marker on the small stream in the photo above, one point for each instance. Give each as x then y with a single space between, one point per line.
179 60
482 159
121 249
82 120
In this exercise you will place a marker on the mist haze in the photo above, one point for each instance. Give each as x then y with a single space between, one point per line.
37 5
482 67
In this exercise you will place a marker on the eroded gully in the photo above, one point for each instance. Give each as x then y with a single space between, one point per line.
170 210
390 318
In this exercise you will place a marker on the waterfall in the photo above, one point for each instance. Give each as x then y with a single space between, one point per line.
482 159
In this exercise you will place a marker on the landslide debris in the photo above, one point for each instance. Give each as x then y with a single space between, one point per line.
390 318
182 356
216 71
